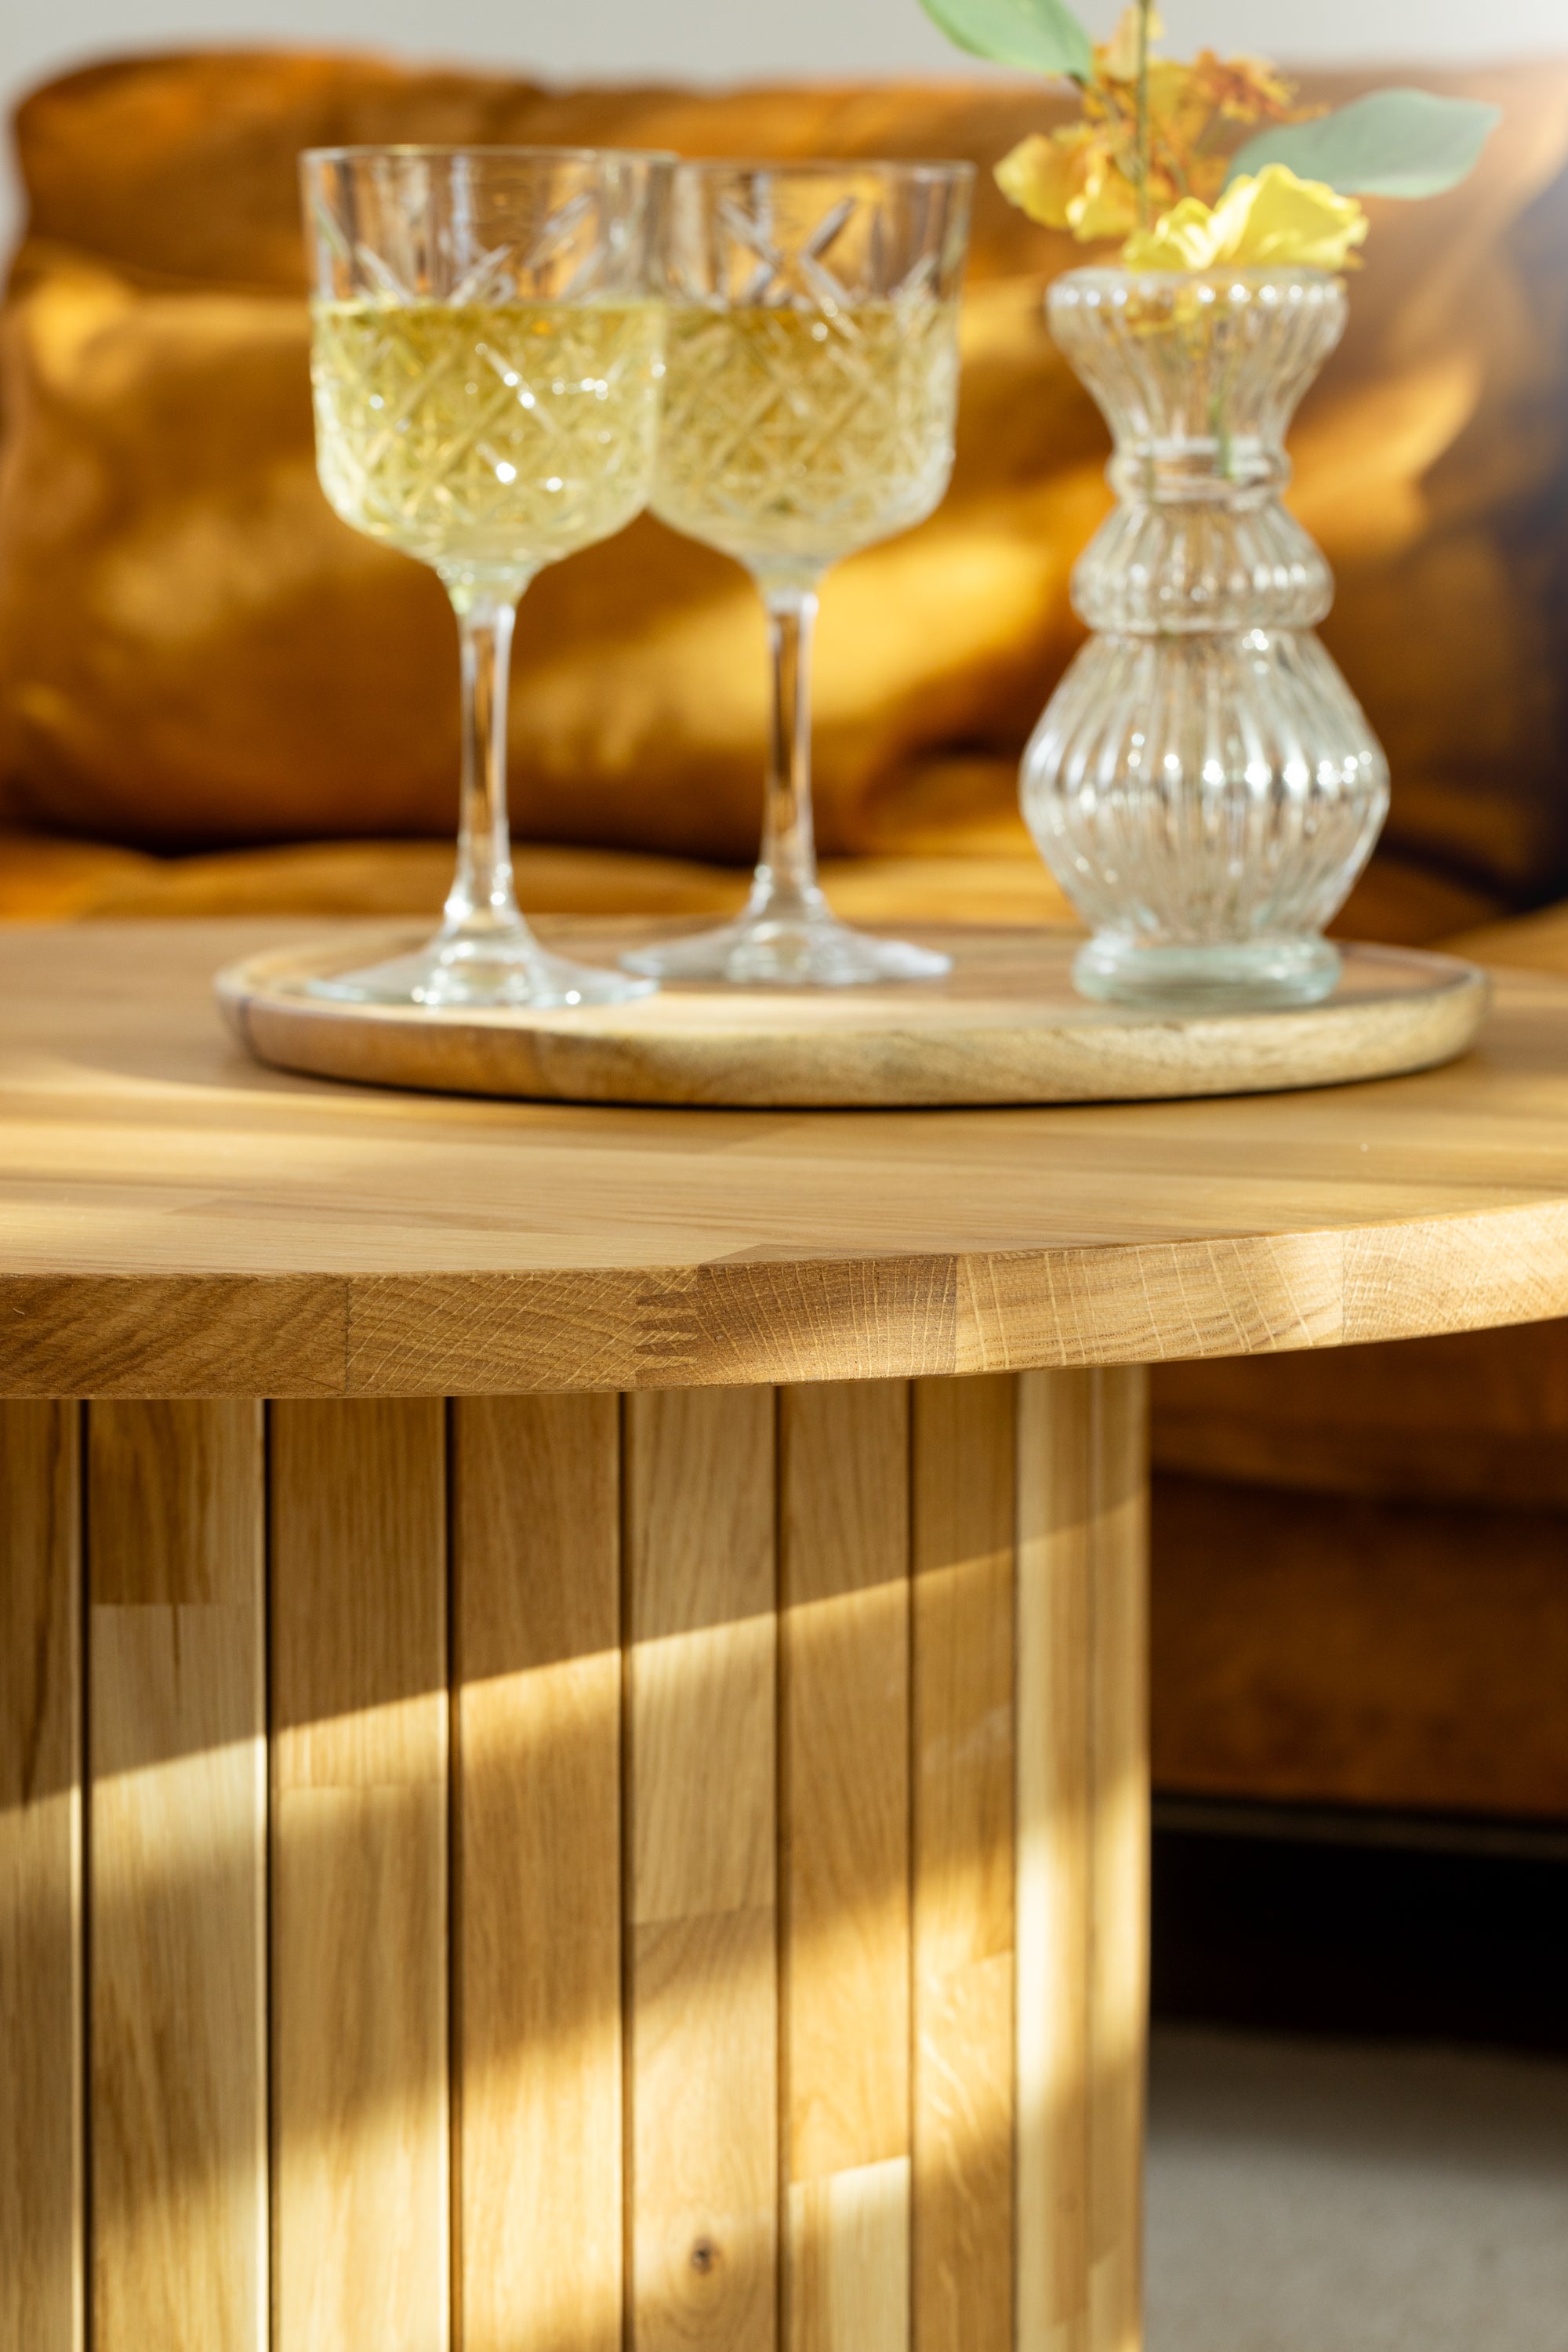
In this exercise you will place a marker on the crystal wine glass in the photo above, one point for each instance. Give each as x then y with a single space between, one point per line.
811 382
486 343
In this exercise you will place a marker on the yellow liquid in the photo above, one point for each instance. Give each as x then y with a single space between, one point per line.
487 439
791 437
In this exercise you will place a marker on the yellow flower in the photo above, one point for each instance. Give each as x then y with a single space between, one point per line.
1068 180
1184 238
1089 177
1275 221
1246 89
1040 175
1106 204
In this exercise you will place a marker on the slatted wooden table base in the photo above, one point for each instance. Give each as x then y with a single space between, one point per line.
562 1872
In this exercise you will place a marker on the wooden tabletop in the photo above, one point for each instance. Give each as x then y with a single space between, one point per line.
177 1221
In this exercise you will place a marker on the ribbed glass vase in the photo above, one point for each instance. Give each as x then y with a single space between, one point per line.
1203 783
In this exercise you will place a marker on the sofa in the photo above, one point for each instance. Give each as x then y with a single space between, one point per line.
214 698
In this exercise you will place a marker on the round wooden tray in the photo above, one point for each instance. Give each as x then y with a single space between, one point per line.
1005 1026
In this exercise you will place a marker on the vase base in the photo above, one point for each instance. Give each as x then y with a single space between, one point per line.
1233 976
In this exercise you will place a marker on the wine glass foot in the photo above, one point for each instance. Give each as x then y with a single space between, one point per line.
505 970
784 952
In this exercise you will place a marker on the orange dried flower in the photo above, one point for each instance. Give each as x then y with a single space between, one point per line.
1086 177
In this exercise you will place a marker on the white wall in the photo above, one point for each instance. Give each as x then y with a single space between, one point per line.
724 40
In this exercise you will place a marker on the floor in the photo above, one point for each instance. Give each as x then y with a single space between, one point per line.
1310 2196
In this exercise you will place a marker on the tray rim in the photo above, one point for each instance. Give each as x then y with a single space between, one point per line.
731 1063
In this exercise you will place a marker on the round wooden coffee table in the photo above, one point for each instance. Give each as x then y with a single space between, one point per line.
573 1764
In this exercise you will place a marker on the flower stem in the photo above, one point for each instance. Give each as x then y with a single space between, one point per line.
1145 140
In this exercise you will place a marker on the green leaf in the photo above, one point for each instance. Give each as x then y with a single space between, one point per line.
1394 142
1039 36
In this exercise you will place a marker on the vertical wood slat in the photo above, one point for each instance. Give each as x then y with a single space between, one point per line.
1119 1946
178 1816
1056 1564
702 1797
359 1794
177 1877
1082 1857
536 1496
961 1552
845 1839
42 2257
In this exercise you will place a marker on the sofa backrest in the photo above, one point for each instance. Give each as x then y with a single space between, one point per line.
192 649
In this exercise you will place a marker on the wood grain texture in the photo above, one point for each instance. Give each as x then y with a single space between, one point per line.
1005 1026
42 2256
701 1789
180 1221
844 1472
359 2123
1082 1858
1118 1931
536 1530
800 1944
962 1773
1057 1562
177 1876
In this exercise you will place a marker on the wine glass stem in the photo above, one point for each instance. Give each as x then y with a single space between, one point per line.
785 882
482 902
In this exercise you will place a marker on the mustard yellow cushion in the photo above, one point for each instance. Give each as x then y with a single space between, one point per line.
194 652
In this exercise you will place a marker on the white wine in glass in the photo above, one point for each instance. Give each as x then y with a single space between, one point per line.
811 382
486 358
857 443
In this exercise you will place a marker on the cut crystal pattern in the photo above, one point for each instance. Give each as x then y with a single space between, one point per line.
491 435
485 368
794 436
811 378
